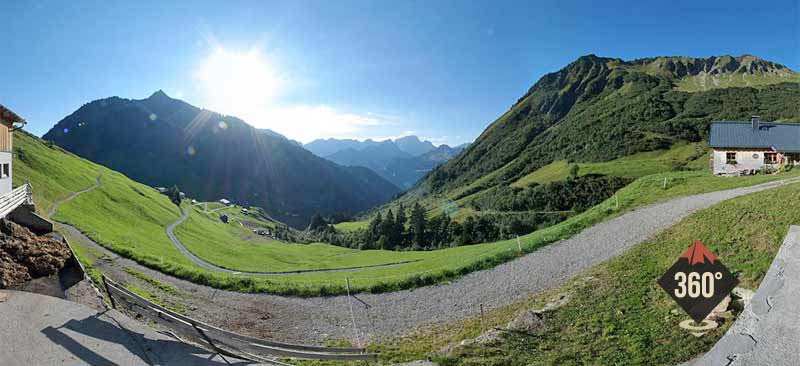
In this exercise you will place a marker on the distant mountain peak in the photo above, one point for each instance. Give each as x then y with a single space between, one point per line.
411 144
408 138
163 141
159 94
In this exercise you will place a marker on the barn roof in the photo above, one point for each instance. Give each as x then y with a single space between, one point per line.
783 137
7 115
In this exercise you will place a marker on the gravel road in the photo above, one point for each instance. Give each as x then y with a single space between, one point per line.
312 320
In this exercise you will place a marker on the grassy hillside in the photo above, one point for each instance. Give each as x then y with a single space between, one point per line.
224 245
685 156
53 172
604 116
616 314
609 116
636 165
129 218
599 109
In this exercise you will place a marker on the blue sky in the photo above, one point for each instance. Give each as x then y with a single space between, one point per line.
439 69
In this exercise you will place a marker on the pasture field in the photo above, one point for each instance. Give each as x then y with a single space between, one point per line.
130 218
633 166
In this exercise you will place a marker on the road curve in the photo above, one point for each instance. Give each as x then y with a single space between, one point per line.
318 318
550 266
212 267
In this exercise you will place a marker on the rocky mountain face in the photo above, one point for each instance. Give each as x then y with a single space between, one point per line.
699 74
163 141
413 145
679 67
598 109
402 161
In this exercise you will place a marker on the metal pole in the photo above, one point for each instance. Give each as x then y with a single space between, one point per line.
519 245
352 314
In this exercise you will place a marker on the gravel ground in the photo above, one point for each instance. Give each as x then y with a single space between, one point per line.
312 320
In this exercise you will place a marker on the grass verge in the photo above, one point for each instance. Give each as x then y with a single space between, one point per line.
616 313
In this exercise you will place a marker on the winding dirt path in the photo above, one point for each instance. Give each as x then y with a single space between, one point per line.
212 267
57 204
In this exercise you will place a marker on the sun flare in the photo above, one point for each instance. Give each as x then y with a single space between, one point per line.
239 83
246 84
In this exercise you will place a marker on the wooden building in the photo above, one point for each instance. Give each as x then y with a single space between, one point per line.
8 119
748 147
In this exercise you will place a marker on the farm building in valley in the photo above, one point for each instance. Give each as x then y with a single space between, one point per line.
748 147
7 121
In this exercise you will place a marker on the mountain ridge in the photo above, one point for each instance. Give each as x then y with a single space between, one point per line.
598 108
402 161
164 141
410 144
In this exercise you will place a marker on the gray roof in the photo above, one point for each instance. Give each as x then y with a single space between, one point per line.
784 137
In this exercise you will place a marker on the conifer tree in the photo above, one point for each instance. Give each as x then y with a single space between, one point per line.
418 226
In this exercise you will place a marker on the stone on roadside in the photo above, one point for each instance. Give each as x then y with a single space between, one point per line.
527 321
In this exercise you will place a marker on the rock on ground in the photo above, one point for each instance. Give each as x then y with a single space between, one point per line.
25 255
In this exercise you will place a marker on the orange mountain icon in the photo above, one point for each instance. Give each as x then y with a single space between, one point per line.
698 253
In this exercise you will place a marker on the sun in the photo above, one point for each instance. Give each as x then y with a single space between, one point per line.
248 85
243 84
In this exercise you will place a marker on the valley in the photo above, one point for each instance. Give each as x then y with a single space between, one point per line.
163 142
403 161
625 196
130 219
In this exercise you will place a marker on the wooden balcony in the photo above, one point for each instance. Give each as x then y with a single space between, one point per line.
5 138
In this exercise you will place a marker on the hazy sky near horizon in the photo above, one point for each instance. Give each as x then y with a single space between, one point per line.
442 70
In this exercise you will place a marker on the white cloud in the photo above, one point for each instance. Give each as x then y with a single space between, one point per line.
308 122
249 86
436 140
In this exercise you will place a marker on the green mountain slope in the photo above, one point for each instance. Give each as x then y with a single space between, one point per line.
162 141
598 109
130 218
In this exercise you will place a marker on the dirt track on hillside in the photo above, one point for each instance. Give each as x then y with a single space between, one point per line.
212 267
56 205
313 320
